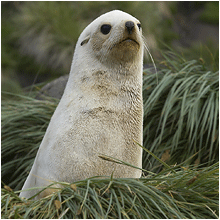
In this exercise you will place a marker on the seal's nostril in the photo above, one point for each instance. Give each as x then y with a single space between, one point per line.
129 25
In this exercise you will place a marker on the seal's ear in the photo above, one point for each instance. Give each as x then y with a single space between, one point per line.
85 40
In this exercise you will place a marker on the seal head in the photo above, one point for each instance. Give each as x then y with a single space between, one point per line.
115 34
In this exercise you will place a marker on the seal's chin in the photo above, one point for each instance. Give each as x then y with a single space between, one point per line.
124 51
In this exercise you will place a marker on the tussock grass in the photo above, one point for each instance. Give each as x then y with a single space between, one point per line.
24 122
181 113
185 193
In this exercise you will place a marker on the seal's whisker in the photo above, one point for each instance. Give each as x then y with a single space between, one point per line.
147 50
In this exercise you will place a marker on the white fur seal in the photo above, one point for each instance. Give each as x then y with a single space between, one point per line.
101 110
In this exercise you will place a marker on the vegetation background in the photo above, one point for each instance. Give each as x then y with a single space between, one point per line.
38 38
181 109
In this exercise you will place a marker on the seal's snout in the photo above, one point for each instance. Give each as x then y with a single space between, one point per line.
129 25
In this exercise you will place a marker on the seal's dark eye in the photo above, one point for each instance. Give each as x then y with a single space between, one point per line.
139 26
105 28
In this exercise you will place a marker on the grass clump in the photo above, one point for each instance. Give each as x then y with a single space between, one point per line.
181 105
185 193
24 121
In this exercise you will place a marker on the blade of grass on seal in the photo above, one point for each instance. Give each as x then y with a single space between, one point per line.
115 160
41 190
153 155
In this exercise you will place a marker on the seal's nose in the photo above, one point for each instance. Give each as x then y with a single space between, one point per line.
129 25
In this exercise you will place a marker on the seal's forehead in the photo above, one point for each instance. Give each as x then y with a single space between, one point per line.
113 17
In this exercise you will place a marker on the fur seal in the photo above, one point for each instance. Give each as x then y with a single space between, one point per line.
101 110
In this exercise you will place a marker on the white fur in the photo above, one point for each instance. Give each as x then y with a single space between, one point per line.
100 112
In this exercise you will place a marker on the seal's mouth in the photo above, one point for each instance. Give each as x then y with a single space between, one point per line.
129 40
126 42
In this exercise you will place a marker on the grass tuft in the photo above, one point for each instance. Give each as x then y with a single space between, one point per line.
24 121
181 113
187 193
